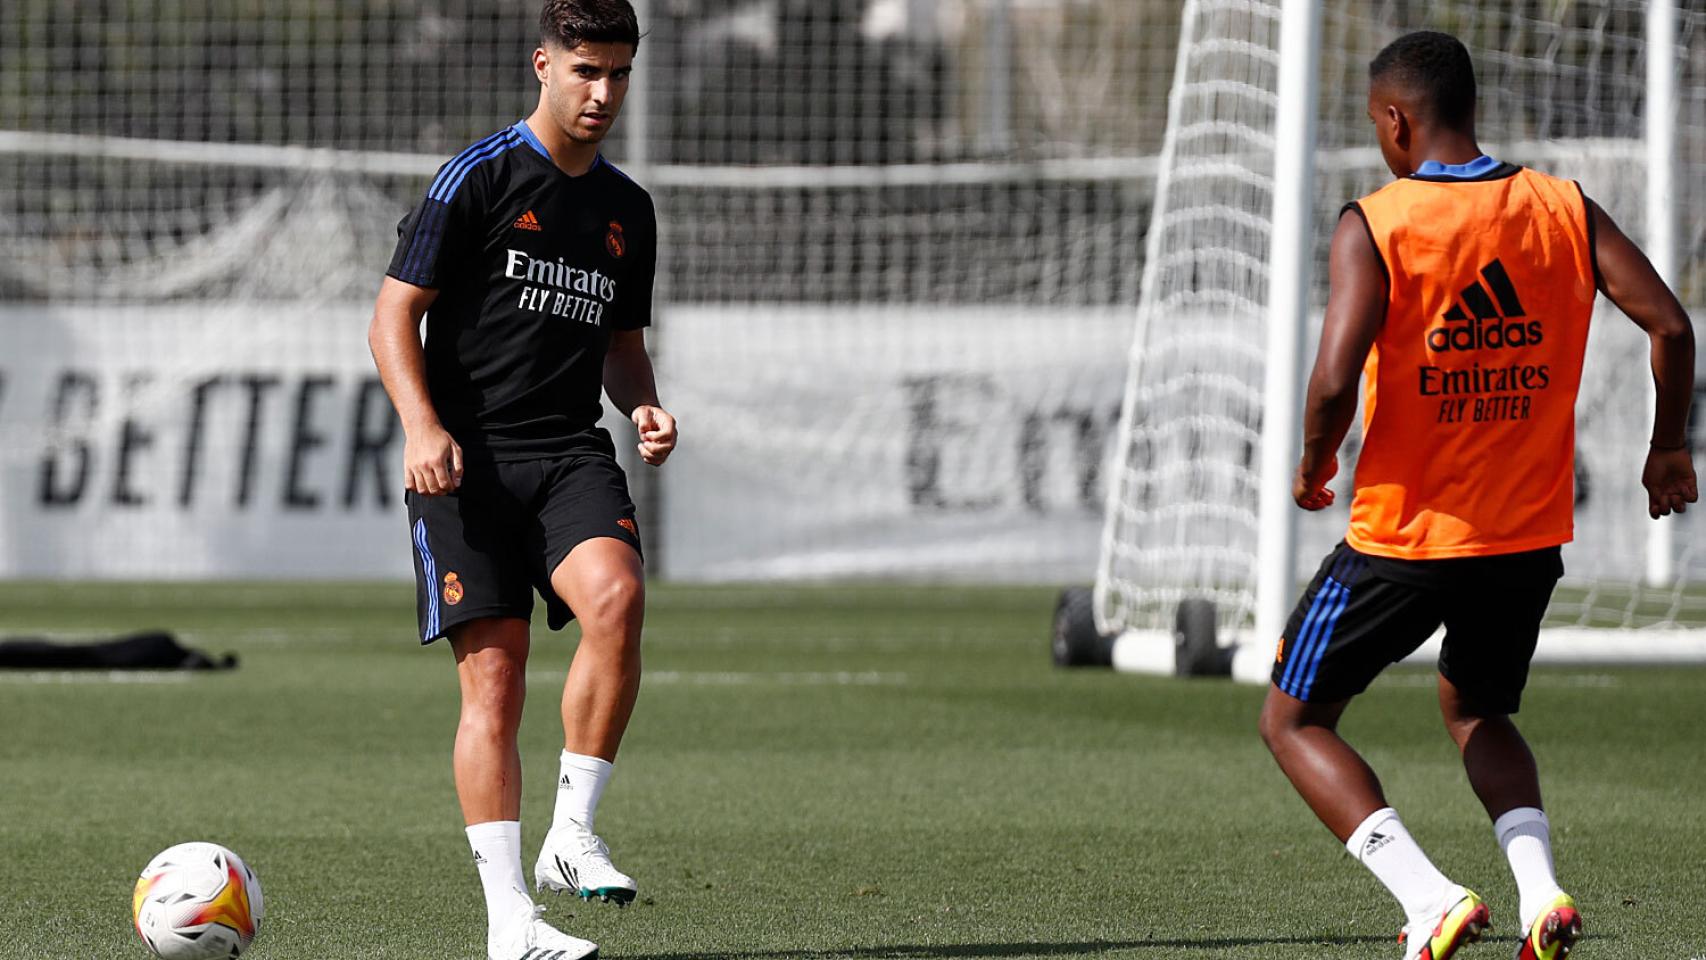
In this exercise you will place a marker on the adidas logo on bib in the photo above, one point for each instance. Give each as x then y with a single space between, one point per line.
1485 326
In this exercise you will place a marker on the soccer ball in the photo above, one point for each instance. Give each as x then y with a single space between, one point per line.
197 901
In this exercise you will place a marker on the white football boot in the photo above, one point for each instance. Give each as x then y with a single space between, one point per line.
575 860
530 938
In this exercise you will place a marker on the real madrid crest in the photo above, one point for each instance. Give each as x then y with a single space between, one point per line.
614 241
452 589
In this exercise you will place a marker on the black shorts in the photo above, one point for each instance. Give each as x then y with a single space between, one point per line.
1361 613
484 549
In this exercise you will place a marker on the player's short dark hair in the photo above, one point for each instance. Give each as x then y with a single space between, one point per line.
1436 67
569 23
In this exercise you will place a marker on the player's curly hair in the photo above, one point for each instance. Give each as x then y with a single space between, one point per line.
569 23
1437 67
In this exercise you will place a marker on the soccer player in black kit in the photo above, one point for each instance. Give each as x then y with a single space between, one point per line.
531 261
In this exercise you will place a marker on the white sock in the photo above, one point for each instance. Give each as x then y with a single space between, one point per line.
579 786
1383 846
497 855
1526 837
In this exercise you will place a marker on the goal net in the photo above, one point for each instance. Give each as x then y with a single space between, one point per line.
1564 88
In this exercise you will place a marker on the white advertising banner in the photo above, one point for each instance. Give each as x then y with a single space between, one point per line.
198 441
185 442
906 442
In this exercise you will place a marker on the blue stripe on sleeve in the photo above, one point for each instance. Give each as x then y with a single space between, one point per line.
436 216
506 141
423 246
462 158
428 238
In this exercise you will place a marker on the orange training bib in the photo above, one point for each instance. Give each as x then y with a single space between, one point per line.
1469 392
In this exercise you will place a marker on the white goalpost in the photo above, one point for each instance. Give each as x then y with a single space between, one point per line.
1265 140
1660 118
1289 270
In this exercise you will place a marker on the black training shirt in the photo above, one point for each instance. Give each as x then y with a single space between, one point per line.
534 268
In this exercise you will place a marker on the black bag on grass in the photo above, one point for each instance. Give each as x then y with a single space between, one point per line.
149 650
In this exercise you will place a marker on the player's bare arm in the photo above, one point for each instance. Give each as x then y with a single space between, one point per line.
1628 279
432 461
629 381
1356 307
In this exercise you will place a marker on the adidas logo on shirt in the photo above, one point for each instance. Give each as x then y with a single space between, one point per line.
1485 326
527 221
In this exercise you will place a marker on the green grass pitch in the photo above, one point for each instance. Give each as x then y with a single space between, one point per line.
818 773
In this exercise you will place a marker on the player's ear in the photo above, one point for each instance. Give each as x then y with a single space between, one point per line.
542 64
1398 126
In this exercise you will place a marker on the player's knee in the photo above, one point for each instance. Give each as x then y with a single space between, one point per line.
1464 721
1465 709
1273 727
493 687
1283 719
1460 730
615 608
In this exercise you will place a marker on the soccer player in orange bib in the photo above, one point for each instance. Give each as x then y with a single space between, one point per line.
1461 294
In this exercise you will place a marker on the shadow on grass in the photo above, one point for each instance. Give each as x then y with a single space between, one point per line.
1084 948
